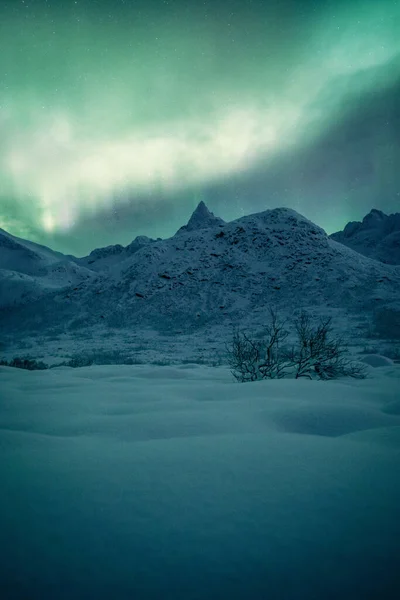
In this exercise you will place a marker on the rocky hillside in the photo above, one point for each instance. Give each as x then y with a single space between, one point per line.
218 273
29 271
376 236
110 257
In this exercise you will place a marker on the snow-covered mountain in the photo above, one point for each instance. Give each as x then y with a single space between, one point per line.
25 257
376 236
201 218
217 273
110 257
29 271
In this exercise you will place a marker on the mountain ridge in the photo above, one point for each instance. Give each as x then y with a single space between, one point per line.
221 273
377 236
29 270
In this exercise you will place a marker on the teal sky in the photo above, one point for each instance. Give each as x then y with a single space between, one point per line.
117 117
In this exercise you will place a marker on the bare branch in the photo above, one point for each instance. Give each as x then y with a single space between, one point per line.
318 353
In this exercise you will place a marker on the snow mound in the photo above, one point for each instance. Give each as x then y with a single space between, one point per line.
148 482
331 421
384 436
376 360
392 408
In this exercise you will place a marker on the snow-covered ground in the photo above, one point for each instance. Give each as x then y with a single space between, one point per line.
144 482
207 345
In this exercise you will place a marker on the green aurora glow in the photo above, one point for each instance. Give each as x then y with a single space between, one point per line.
117 117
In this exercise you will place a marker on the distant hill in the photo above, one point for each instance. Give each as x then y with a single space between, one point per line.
110 257
376 236
210 272
29 271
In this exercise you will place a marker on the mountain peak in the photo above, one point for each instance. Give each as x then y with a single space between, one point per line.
202 218
376 236
201 209
374 218
200 215
209 276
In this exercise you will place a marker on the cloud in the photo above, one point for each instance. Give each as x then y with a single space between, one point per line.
70 174
340 174
152 117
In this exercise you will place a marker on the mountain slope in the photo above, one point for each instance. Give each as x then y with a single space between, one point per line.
376 236
274 257
112 257
29 270
25 257
222 274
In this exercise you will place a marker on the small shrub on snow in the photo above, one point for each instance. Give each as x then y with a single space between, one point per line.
376 360
317 352
28 364
254 359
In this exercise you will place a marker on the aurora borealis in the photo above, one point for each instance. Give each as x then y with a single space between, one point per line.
117 117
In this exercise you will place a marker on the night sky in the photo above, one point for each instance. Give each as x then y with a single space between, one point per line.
118 116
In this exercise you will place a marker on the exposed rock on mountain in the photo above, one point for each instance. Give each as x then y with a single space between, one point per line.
376 236
201 218
110 257
220 274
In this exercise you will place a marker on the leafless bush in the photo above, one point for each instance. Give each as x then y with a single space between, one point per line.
244 357
317 352
251 360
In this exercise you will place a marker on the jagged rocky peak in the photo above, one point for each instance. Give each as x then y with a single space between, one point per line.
117 249
376 236
202 218
107 251
138 243
374 218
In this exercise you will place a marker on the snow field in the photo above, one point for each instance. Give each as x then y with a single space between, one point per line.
175 482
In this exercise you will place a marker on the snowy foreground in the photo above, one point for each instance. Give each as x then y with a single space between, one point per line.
137 482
